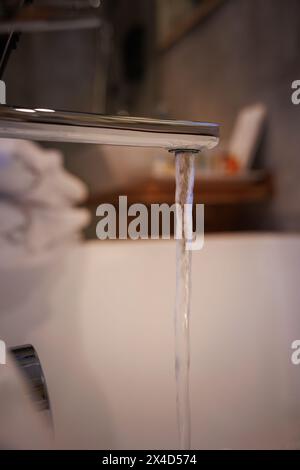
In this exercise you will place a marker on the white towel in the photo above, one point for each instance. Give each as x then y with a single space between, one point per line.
37 196
38 228
49 228
12 219
30 172
55 188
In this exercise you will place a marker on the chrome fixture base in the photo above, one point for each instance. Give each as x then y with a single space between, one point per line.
27 359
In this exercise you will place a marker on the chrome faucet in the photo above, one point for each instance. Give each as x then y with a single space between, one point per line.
65 126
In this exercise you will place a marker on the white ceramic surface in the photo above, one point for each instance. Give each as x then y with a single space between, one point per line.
101 319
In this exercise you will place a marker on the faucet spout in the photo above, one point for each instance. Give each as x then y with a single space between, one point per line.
66 126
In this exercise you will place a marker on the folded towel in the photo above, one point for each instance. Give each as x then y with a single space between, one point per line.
30 153
29 172
12 219
48 228
56 188
39 228
37 196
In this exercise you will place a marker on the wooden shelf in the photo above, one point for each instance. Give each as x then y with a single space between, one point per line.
231 203
257 187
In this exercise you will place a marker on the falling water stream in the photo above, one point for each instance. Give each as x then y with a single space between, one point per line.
184 195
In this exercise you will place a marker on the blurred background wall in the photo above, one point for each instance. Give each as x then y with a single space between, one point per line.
243 53
248 51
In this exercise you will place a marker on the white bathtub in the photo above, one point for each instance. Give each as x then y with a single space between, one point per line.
101 318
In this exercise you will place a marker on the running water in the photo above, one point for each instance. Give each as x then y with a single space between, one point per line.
184 195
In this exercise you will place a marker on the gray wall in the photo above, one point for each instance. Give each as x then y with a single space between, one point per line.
247 51
61 70
53 70
70 70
